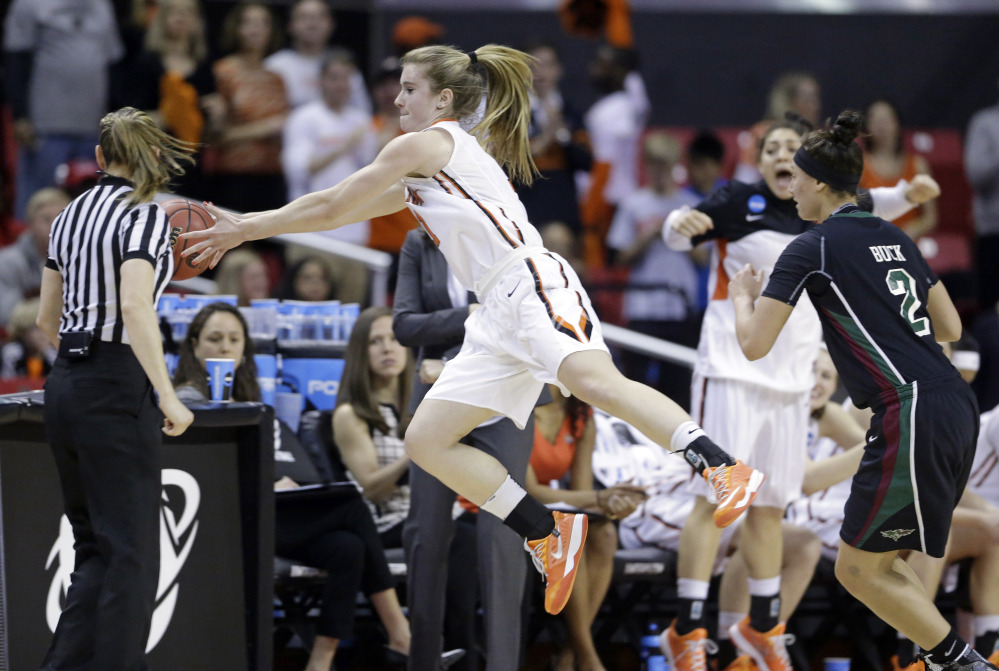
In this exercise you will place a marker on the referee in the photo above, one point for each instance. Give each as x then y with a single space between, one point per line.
109 260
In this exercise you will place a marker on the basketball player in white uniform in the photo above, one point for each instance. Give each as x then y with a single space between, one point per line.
535 324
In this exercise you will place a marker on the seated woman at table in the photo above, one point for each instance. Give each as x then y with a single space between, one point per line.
340 536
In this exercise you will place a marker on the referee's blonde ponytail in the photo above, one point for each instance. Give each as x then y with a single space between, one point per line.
503 129
131 138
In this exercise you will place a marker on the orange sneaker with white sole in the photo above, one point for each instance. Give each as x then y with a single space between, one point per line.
556 556
742 663
734 488
768 649
688 652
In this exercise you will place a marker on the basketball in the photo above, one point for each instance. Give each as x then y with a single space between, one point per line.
184 216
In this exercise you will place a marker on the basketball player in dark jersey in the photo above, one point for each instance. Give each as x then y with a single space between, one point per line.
882 311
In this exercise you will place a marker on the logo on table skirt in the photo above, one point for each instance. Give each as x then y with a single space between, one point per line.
181 498
895 534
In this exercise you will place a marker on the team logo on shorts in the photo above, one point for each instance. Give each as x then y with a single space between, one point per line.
895 534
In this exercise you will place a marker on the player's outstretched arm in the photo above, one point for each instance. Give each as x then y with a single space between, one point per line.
756 325
374 190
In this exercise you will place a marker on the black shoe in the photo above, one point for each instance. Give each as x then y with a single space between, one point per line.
448 659
970 662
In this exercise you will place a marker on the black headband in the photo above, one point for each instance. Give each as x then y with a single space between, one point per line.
472 56
813 167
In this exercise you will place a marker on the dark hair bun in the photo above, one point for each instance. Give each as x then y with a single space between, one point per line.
847 127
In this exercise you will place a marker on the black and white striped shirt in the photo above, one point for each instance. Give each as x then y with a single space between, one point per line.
89 242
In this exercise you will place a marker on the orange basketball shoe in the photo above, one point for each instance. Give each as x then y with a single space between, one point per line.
742 663
556 556
688 652
734 488
768 649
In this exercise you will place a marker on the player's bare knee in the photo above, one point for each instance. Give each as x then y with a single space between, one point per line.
849 574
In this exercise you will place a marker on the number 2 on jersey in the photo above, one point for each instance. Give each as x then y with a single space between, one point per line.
901 283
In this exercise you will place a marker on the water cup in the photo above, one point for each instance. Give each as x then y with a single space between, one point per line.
837 664
220 375
288 408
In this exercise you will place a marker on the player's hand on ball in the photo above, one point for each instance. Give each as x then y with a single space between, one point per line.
212 243
747 282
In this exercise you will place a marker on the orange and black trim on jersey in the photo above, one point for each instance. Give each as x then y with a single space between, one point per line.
423 223
721 280
502 231
585 325
515 226
442 185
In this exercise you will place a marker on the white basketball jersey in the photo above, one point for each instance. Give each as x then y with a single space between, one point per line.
788 365
469 208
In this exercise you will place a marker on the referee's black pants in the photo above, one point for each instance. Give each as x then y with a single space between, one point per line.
104 429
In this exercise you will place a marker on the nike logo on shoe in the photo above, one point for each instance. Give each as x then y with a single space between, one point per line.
557 554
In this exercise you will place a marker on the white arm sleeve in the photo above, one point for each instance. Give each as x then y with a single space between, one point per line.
674 240
890 201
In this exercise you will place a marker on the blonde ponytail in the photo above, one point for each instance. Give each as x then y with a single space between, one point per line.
503 129
130 137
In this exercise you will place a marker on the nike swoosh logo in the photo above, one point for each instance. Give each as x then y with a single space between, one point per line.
753 217
558 553
514 288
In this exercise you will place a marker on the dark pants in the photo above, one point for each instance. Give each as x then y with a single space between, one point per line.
343 540
440 567
104 429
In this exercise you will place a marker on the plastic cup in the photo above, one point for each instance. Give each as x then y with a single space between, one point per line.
837 663
220 376
288 408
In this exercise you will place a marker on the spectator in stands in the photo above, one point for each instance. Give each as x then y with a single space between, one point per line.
615 124
309 279
705 155
172 80
558 144
337 536
662 283
243 274
886 162
623 454
57 55
564 437
21 263
429 313
981 161
388 232
310 27
370 419
326 140
248 173
29 352
794 91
